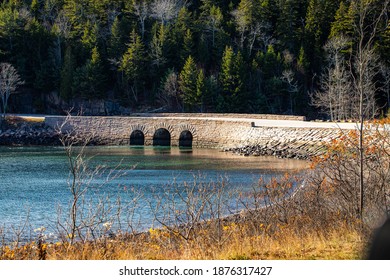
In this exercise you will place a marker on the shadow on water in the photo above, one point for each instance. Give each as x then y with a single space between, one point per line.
158 150
185 150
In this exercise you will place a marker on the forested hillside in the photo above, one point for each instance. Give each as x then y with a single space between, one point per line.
259 56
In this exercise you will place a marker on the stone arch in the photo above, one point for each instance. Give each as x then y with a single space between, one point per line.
137 138
137 135
187 136
190 128
166 126
185 139
162 137
139 127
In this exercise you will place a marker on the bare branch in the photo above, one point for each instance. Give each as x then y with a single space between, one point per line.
9 81
166 10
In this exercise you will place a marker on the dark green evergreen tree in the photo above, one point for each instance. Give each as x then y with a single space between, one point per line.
233 95
201 89
188 85
67 71
90 80
133 65
116 42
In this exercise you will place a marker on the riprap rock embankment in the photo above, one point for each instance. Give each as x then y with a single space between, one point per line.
28 135
298 143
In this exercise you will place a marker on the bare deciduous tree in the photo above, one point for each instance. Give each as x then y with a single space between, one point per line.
169 94
88 217
142 11
288 77
335 96
213 22
244 18
362 83
259 31
365 67
9 81
166 10
61 28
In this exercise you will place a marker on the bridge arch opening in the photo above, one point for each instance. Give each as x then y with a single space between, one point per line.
137 138
185 139
162 137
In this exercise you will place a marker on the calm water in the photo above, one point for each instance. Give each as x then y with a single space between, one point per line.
34 180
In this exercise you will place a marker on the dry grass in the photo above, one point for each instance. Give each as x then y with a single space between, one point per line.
340 243
15 120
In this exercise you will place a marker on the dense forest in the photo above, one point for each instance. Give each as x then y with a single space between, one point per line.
252 56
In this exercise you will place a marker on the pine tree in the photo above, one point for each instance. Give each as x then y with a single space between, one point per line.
343 21
201 88
34 7
227 75
188 84
67 71
97 73
133 66
90 34
188 46
116 46
159 46
289 23
10 30
232 81
314 33
90 79
384 46
210 93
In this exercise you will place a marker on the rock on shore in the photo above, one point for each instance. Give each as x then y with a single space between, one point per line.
26 134
303 151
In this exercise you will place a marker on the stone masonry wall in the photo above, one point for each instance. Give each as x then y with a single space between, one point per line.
211 133
117 130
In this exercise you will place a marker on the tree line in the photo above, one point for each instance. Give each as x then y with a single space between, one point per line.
253 56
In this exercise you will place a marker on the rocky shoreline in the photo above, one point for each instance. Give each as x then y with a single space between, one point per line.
304 151
29 135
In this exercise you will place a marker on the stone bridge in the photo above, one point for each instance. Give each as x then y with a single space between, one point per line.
202 130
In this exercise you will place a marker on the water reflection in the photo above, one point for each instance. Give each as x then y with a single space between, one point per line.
184 150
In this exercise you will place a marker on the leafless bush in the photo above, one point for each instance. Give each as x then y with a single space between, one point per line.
271 203
90 215
185 210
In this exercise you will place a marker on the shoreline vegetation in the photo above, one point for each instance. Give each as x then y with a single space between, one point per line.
317 222
342 242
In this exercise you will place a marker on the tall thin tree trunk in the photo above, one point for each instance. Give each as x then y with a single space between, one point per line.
361 159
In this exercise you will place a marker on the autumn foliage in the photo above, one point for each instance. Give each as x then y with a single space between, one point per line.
338 172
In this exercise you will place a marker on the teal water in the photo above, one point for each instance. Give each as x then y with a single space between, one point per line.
34 181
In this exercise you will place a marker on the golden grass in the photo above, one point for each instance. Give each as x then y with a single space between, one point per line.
33 119
24 119
339 244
